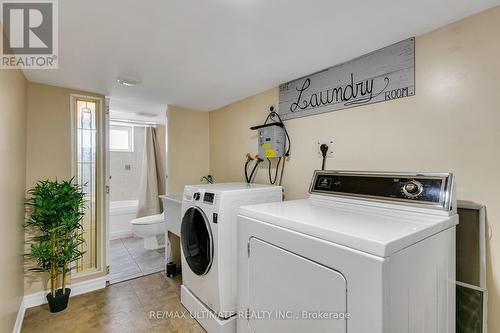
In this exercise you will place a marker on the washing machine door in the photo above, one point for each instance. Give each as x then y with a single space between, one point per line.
197 241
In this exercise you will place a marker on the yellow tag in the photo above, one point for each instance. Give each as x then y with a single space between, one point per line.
270 153
266 145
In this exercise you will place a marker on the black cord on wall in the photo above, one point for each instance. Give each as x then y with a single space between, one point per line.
246 171
249 159
271 180
324 151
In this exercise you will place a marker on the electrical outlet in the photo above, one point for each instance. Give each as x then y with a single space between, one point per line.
330 143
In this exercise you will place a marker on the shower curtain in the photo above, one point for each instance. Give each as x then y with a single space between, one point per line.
152 177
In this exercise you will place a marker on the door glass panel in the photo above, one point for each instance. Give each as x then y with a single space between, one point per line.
86 147
196 239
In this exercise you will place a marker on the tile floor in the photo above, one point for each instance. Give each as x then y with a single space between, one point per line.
129 259
123 307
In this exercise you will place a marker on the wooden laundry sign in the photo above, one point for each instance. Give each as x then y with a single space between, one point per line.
383 75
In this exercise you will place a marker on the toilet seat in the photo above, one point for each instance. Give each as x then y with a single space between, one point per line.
152 219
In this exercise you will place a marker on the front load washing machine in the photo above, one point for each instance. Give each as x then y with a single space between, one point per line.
367 252
209 249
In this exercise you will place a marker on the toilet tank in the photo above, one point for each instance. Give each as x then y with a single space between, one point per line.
172 205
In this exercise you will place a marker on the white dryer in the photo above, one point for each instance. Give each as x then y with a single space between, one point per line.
209 249
367 252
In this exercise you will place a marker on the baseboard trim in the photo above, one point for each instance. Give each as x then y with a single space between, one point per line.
79 288
120 235
19 318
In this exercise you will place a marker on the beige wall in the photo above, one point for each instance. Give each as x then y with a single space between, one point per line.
12 185
188 147
452 124
48 146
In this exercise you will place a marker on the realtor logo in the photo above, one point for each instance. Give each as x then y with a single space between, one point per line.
29 39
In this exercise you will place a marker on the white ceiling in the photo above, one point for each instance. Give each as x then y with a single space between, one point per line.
204 54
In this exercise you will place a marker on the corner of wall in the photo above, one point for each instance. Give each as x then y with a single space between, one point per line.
13 89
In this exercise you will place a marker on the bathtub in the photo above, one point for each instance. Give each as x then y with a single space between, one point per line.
120 215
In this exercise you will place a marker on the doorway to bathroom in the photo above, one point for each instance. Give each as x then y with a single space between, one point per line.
137 158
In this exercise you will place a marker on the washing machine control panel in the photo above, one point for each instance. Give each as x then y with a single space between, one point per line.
425 189
197 196
208 198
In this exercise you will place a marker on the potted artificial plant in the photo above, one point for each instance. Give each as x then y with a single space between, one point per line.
55 211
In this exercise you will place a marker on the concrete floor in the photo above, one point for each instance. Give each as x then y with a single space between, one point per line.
123 307
129 259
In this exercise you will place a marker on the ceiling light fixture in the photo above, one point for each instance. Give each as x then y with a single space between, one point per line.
127 82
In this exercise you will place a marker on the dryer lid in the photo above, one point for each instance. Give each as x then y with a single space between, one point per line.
377 231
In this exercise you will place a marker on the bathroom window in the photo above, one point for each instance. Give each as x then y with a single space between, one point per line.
121 138
87 171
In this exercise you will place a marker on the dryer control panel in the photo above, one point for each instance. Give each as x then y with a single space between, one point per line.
425 189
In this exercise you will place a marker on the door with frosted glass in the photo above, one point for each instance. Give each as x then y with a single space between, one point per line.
88 171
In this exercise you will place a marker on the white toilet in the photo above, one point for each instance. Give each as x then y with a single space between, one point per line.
151 228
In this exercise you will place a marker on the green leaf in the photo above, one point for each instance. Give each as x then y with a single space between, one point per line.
55 210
